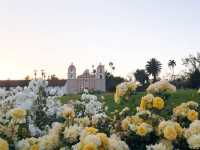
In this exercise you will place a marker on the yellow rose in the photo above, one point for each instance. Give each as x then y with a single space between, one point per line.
192 115
3 145
179 110
149 105
142 130
162 125
68 111
142 104
117 99
104 139
170 133
136 120
131 86
35 147
125 123
158 103
90 147
90 130
178 128
18 113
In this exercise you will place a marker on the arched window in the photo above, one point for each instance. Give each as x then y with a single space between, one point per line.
100 70
100 76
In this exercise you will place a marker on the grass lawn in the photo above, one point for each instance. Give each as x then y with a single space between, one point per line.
173 100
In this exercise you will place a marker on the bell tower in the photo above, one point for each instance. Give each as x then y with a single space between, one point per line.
72 72
100 74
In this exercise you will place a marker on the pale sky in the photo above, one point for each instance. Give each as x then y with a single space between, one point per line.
50 34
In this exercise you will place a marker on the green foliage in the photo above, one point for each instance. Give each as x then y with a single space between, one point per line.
65 99
143 78
139 142
171 101
181 143
112 82
40 117
194 79
183 121
104 126
79 110
192 62
23 131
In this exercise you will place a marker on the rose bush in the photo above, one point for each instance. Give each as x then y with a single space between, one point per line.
33 118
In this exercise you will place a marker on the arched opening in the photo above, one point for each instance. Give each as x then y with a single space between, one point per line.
100 76
100 70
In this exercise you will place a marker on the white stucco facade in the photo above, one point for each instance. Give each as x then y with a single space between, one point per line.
91 81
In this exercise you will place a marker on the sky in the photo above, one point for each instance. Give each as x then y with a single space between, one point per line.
51 34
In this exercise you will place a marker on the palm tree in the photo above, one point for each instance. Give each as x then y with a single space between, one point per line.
35 74
43 74
93 70
171 65
112 67
153 67
111 64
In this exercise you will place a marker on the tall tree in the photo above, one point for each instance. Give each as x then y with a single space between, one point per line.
27 77
112 81
93 70
153 67
171 65
141 76
53 77
35 74
43 74
194 79
112 67
192 62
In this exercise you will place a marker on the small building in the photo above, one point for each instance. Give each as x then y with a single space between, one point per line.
91 81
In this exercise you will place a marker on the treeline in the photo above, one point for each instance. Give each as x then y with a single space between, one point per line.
151 71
